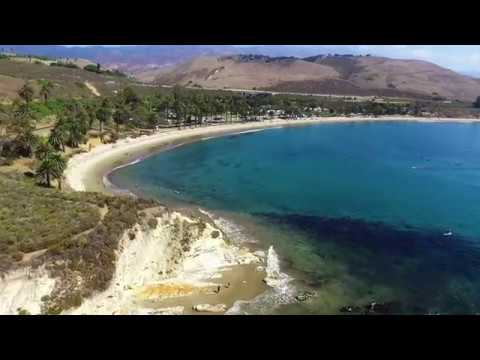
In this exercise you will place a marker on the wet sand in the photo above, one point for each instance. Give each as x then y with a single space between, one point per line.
86 172
242 282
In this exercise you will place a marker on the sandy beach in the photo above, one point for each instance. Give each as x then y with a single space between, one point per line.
86 172
235 271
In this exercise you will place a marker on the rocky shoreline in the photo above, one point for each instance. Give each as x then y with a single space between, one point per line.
158 270
177 268
170 264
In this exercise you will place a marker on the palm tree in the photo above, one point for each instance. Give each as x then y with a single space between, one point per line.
46 87
168 103
91 112
103 114
21 111
102 136
57 138
25 140
83 120
41 149
75 133
52 165
120 116
129 97
26 93
476 104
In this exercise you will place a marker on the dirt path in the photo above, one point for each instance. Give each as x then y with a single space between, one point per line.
92 88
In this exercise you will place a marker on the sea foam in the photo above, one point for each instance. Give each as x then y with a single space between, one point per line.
281 291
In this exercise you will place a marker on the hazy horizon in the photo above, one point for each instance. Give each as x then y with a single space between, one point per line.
464 59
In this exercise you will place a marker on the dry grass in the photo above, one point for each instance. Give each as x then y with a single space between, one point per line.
34 218
68 82
334 75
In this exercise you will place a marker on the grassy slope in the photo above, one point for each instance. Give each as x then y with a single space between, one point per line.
34 218
331 75
79 238
68 82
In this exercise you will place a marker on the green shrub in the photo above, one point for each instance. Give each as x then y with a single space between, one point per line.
51 107
67 65
22 311
95 69
91 67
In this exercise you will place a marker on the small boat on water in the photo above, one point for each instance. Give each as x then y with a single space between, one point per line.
448 233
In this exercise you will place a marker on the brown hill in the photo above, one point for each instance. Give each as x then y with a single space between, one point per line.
345 75
68 82
244 73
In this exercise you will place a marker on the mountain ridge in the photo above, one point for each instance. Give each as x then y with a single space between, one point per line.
326 74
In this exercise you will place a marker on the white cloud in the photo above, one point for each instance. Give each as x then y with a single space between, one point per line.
473 59
423 54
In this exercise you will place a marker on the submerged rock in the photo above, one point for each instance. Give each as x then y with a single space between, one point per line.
259 254
174 310
373 308
383 308
351 309
304 296
218 308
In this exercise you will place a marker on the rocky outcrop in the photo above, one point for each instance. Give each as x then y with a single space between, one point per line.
174 310
392 307
176 258
218 308
304 296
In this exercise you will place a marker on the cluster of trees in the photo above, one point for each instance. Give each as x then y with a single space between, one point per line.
195 106
74 121
476 104
17 138
177 106
98 69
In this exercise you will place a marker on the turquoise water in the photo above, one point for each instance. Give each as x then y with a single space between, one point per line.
357 210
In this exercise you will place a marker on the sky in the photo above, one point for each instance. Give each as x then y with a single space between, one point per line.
461 58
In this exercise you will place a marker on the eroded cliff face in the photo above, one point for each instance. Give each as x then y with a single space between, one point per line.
177 258
22 291
167 256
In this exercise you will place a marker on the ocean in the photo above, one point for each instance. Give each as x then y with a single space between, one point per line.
359 213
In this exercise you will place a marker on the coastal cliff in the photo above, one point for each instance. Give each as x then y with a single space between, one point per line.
168 263
182 258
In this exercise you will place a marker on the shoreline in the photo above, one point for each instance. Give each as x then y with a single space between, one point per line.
86 171
89 172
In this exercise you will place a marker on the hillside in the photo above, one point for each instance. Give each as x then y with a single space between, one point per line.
139 60
68 82
344 75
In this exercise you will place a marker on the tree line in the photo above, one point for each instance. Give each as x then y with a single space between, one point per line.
126 110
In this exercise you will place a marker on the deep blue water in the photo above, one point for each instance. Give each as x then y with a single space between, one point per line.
359 209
